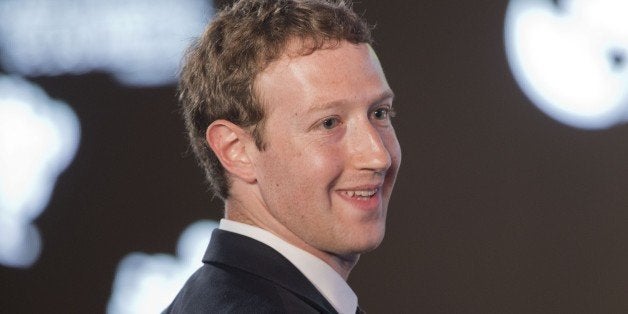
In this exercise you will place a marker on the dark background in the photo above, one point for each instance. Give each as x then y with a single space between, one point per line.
497 208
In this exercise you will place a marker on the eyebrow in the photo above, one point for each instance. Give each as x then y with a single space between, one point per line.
387 94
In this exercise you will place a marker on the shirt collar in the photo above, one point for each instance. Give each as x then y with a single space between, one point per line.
328 282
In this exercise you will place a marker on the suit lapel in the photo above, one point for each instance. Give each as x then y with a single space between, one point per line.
261 260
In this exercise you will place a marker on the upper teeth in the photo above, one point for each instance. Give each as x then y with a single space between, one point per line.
363 193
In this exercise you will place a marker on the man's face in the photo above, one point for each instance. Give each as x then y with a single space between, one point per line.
331 154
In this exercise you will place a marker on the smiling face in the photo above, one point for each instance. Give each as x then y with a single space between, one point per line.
331 156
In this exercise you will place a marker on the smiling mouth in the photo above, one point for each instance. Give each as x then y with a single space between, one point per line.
360 194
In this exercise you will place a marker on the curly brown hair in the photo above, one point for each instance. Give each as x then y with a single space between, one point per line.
218 73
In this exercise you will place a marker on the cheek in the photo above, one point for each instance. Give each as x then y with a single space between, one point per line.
295 164
325 160
326 163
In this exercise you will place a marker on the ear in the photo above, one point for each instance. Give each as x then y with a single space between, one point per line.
229 142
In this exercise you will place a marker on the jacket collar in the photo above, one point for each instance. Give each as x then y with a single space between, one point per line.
261 260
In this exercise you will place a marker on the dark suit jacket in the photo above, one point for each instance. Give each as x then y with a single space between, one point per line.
242 275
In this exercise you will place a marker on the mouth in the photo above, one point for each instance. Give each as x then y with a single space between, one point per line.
363 194
366 198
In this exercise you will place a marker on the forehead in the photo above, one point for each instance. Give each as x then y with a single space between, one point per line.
342 73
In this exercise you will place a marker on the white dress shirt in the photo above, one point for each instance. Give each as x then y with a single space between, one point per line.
328 282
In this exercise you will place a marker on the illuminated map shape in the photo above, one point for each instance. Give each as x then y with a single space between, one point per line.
569 58
140 42
38 139
148 283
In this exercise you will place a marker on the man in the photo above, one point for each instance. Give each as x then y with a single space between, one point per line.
288 111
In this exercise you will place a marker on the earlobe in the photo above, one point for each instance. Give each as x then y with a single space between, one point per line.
229 141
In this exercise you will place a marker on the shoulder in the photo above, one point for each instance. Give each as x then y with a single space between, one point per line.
219 288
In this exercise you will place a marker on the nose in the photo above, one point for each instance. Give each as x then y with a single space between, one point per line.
368 149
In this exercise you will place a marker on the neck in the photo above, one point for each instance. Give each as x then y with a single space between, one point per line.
237 211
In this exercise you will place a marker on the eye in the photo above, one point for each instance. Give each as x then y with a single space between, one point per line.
330 123
383 113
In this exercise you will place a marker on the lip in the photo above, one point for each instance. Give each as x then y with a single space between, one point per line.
355 196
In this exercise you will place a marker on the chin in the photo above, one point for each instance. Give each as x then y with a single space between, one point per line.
367 249
367 242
